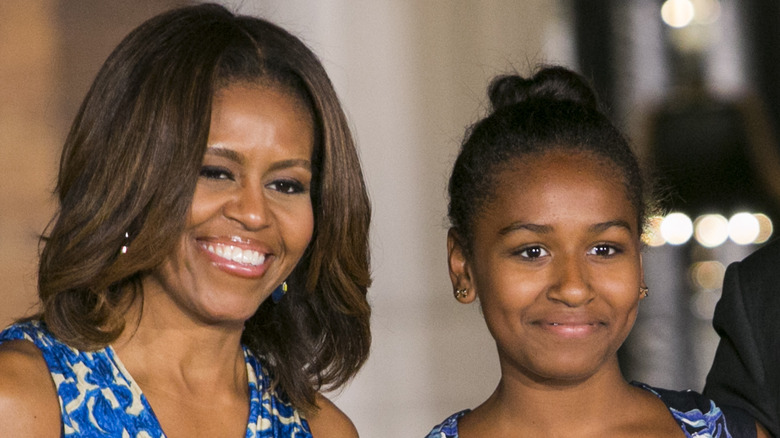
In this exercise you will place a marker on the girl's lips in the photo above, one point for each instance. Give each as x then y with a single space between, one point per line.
568 330
570 327
236 257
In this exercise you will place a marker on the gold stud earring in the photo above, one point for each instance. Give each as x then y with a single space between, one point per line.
644 292
461 294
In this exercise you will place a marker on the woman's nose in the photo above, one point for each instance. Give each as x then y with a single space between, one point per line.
249 207
570 285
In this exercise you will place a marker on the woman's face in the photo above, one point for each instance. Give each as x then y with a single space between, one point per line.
251 215
556 265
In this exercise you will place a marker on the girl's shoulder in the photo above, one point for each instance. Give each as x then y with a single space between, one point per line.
701 416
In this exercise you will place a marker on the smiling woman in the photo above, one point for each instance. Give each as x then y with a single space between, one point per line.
547 208
251 216
209 168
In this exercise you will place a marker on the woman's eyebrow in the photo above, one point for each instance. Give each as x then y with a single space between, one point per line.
295 162
230 154
240 158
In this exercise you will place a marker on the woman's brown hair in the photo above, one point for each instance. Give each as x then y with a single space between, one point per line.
127 176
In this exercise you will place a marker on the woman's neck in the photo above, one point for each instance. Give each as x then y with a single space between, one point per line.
165 349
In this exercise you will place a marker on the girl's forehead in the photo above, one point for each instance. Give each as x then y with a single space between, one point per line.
538 180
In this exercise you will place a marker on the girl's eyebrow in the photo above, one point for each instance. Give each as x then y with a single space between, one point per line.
543 229
516 226
596 228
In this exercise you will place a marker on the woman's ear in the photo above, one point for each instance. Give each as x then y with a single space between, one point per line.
460 274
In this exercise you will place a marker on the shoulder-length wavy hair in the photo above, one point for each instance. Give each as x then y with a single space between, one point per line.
130 165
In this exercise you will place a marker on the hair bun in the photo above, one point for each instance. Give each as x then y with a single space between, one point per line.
550 83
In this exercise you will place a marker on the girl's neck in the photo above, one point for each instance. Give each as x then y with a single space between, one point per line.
534 407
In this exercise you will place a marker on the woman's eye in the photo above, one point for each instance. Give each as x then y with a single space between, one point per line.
213 172
603 250
533 252
287 186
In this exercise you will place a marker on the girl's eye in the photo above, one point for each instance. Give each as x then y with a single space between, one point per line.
533 252
603 250
287 186
214 172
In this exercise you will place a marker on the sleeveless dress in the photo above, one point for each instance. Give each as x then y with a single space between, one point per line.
99 398
697 416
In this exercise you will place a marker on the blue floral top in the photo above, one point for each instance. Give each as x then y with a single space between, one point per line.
697 416
98 397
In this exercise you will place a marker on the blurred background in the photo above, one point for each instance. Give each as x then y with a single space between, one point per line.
692 82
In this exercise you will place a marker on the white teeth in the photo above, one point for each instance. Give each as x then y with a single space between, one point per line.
236 254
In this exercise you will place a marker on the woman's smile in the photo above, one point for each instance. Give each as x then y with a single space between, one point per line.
251 216
239 257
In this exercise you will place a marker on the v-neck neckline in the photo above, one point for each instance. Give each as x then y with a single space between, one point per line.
253 386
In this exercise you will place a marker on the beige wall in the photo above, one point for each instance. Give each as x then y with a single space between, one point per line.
50 51
28 143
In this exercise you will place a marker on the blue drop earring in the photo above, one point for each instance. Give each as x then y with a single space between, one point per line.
279 292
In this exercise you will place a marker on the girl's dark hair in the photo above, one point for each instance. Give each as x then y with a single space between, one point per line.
554 109
130 164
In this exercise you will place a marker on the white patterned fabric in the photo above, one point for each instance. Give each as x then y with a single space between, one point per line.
99 398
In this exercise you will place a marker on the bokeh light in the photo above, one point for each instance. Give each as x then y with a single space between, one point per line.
711 230
743 228
765 227
676 228
705 11
708 274
677 13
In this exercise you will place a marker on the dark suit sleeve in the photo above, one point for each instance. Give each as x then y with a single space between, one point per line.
746 320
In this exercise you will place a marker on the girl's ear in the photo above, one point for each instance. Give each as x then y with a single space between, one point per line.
460 274
642 285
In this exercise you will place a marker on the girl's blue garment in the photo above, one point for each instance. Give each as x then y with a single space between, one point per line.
98 397
697 416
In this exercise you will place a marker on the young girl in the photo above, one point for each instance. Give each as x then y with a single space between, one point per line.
547 210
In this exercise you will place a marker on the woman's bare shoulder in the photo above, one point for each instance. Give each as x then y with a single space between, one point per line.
330 422
28 398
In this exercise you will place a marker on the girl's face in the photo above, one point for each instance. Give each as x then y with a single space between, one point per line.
556 265
251 216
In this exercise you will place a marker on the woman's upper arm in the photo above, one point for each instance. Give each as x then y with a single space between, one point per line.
330 422
28 398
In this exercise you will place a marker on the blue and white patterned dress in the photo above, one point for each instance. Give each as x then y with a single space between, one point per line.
98 397
697 416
